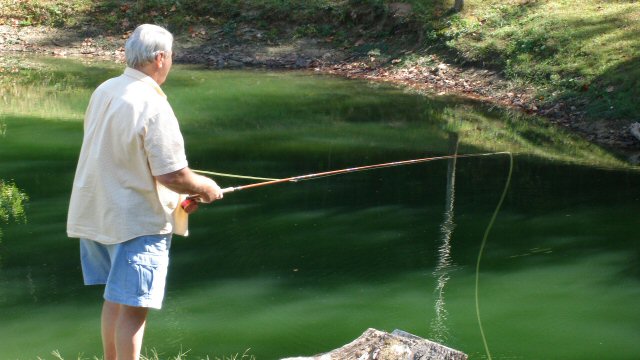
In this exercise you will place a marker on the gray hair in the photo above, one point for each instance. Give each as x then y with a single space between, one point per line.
145 43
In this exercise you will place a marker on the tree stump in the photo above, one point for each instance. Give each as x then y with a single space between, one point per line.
398 345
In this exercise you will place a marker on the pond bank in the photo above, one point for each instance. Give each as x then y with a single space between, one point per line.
211 48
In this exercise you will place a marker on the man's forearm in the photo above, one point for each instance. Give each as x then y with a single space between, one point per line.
184 181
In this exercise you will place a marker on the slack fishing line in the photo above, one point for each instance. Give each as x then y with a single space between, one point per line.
481 252
233 175
270 181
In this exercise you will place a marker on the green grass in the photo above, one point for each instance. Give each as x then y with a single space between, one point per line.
183 355
587 52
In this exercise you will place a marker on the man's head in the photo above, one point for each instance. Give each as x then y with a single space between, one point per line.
148 49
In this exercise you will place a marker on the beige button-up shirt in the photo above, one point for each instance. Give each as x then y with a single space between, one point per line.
130 135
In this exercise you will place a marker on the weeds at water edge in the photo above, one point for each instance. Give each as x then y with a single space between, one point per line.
154 355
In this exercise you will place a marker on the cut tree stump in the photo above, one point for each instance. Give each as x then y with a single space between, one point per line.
399 345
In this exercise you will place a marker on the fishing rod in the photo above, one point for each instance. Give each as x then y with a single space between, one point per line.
191 201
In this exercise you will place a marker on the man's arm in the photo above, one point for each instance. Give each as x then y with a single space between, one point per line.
185 181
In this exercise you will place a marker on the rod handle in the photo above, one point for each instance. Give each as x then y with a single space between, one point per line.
190 204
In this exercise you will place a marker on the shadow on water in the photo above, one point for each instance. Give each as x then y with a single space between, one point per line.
308 266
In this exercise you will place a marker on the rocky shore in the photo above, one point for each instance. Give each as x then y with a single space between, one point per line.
249 48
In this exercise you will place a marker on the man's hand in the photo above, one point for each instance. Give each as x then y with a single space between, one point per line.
211 191
185 181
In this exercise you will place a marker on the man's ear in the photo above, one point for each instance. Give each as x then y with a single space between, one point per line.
159 60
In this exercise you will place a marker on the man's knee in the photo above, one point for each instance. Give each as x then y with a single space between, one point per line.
133 312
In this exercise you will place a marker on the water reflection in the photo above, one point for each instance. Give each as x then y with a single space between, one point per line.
12 201
439 327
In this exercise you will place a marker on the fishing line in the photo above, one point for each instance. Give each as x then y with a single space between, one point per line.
233 175
481 251
352 170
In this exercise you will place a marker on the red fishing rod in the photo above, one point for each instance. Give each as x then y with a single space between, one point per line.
190 202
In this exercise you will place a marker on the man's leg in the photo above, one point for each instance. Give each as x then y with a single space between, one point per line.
110 313
122 331
136 276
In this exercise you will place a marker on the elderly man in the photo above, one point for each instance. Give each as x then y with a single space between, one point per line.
126 193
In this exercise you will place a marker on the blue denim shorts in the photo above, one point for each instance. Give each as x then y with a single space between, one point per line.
134 271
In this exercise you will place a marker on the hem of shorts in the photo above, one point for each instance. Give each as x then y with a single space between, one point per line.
94 282
135 302
114 241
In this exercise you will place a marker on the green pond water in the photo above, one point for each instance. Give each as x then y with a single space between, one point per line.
303 268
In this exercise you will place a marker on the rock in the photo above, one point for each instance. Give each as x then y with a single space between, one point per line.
400 9
302 63
634 159
233 63
398 345
635 130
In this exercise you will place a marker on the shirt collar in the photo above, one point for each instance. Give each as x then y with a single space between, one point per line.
139 75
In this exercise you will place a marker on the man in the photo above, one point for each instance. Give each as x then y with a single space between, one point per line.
126 193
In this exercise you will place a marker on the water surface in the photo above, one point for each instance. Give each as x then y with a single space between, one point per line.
299 269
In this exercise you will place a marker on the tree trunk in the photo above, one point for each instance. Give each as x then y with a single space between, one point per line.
459 4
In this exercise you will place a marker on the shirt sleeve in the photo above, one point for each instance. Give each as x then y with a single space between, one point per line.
164 144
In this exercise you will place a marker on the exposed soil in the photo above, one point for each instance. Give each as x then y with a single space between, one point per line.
249 48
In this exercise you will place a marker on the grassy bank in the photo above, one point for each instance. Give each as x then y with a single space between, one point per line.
585 54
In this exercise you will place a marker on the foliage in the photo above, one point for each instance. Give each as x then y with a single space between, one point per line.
305 18
180 15
11 202
41 12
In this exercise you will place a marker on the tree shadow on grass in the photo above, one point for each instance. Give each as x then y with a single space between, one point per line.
615 93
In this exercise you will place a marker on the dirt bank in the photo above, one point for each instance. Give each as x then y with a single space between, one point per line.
249 48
